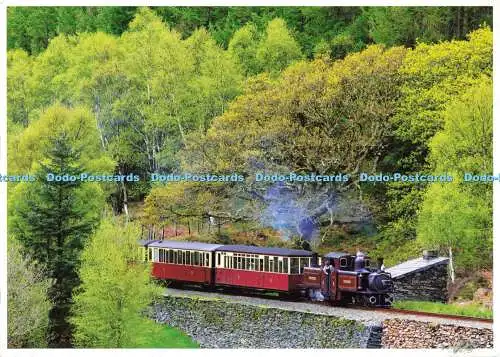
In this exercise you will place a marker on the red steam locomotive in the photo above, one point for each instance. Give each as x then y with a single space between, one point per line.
337 277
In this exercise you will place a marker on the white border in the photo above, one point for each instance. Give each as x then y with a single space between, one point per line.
241 352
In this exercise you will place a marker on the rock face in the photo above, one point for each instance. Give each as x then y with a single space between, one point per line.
416 334
218 324
429 284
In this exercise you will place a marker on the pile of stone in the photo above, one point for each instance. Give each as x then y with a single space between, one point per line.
415 334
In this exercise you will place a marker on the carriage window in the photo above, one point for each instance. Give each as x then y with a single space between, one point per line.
276 267
239 262
207 259
294 265
266 263
285 265
162 256
271 265
150 254
188 258
218 259
280 266
174 257
343 262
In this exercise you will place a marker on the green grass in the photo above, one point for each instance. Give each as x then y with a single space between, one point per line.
472 310
163 336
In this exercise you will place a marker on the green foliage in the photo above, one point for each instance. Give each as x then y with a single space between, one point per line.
277 49
114 292
434 75
355 27
75 125
472 310
28 306
243 46
459 214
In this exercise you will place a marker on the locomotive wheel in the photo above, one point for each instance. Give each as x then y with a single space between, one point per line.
370 300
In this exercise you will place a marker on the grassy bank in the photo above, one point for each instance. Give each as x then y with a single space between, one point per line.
472 310
163 336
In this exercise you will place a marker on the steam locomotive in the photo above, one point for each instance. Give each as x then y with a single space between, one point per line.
338 278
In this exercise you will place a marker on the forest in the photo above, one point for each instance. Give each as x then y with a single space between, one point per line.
225 90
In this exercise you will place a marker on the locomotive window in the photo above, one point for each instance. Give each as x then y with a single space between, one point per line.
303 263
367 263
343 262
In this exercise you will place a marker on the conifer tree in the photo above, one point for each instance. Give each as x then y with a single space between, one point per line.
52 223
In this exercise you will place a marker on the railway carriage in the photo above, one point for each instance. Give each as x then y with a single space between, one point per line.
276 269
181 261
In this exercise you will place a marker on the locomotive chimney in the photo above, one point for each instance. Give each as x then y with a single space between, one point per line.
380 263
430 254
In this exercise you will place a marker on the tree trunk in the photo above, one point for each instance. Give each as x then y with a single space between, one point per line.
452 269
125 196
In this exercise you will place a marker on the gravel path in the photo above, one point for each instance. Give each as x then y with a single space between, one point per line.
367 317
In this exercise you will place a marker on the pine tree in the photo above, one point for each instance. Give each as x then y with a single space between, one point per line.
52 224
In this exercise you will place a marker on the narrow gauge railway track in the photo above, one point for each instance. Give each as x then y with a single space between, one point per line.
430 314
388 311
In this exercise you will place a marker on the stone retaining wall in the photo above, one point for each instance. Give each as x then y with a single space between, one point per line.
219 324
428 285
